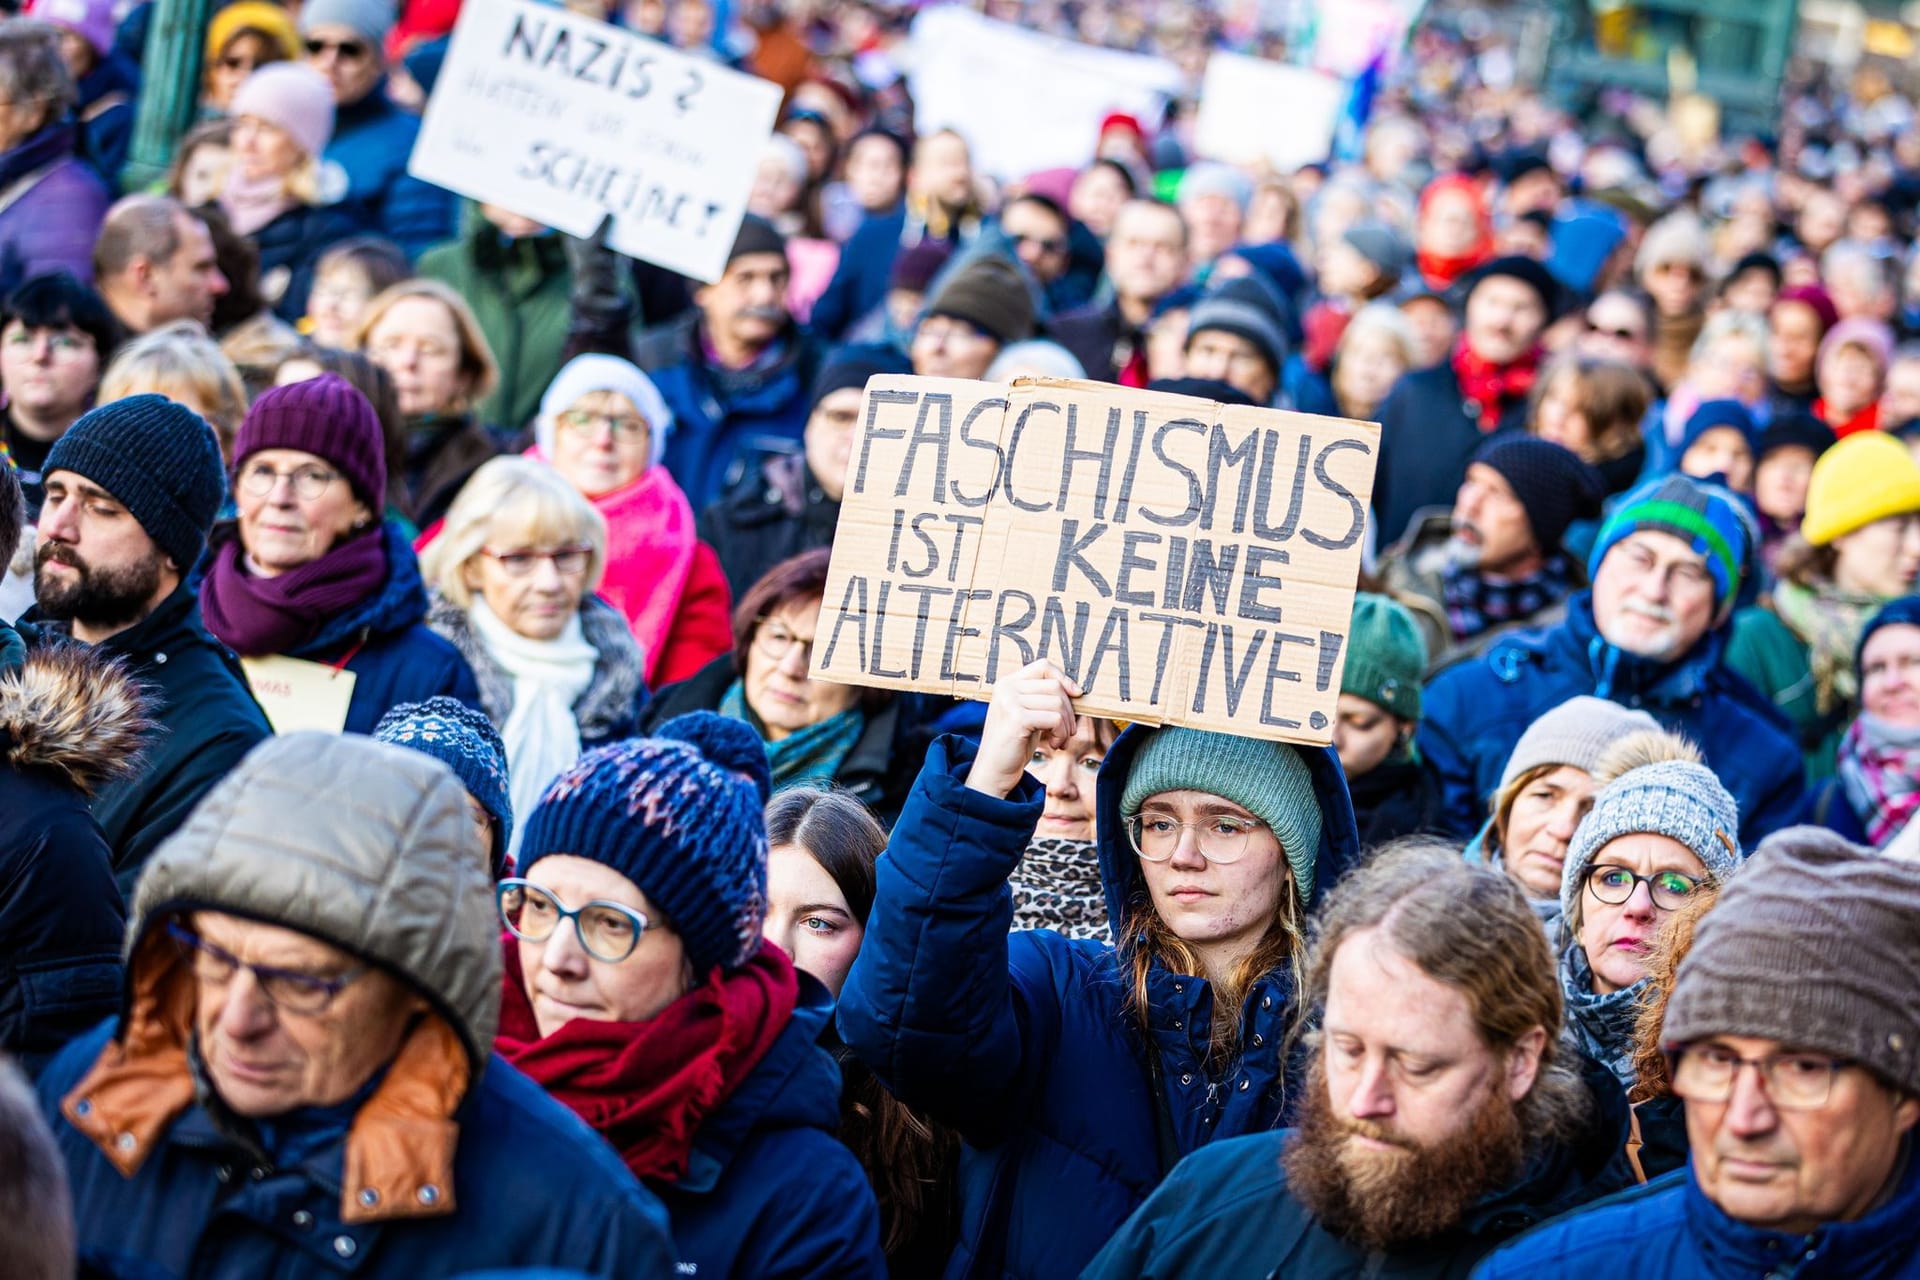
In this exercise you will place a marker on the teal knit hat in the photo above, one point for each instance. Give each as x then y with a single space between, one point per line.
1267 779
1386 656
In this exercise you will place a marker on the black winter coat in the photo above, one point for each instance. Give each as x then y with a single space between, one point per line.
290 248
69 720
1399 798
1426 438
208 720
776 512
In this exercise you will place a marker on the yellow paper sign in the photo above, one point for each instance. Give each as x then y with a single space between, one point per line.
1186 562
297 694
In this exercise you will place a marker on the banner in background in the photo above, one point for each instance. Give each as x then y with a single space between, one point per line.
1253 110
1186 562
567 121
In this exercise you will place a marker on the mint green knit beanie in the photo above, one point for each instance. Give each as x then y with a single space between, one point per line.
1267 779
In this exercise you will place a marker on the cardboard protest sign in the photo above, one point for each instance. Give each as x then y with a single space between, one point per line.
1253 110
568 121
1187 562
1025 101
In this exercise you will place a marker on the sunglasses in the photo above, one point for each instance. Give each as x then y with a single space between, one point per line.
349 50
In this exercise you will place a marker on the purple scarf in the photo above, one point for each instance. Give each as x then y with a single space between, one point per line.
257 616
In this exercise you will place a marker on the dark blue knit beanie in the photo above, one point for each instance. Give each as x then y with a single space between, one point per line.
1902 611
681 815
466 742
159 460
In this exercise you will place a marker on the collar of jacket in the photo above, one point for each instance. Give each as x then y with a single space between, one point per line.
1631 680
369 106
539 255
1880 1244
397 1160
174 622
51 144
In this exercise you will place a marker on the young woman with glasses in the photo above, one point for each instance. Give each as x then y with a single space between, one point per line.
513 574
1078 1071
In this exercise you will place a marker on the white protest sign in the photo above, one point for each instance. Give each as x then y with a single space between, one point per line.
1186 562
1252 110
1024 101
566 121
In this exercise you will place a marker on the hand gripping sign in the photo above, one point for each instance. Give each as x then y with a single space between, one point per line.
1186 562
569 121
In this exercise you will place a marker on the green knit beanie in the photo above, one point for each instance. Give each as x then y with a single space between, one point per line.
1386 656
1267 779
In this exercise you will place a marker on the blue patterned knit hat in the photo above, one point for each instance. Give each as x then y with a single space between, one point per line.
466 742
681 815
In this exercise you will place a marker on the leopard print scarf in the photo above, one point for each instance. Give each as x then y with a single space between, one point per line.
1057 886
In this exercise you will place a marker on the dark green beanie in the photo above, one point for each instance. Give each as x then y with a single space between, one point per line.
1386 656
1267 779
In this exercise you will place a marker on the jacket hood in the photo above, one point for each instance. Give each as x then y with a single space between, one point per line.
72 711
1120 867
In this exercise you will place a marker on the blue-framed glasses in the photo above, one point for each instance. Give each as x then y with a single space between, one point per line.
608 930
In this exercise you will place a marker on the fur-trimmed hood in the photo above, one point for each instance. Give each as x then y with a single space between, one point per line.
70 710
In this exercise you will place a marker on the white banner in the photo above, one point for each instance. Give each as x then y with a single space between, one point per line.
1253 110
1023 101
566 120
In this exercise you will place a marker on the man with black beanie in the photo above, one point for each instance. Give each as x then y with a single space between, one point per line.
1434 419
1495 561
791 502
132 490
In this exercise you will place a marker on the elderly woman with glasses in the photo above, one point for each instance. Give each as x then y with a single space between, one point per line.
860 740
603 426
309 575
513 575
640 992
1662 829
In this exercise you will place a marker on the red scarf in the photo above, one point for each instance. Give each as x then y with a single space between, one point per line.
646 1086
1488 388
1868 419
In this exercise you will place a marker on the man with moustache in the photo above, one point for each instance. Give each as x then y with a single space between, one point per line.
1441 1115
132 490
1495 562
735 369
1651 634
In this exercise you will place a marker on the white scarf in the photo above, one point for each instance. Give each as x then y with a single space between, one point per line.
541 735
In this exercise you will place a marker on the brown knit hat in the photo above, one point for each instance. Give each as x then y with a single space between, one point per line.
1816 944
990 294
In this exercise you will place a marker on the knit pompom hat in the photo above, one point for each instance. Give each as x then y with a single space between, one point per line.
159 460
1866 477
466 742
680 815
1675 798
1386 656
327 417
586 374
292 96
1267 779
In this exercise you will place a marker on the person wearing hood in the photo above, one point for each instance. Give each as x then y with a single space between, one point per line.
1078 1073
56 201
70 719
1661 829
311 572
1651 634
639 992
1858 548
1545 789
604 428
1394 792
1440 1116
302 1074
792 502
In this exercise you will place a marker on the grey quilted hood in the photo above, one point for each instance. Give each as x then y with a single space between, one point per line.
358 843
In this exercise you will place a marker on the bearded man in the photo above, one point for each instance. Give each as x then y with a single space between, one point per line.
1440 1117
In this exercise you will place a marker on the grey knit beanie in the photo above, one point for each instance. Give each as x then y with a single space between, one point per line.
1267 779
1674 798
1816 944
1577 733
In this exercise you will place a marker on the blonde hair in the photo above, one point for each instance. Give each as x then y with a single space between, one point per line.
476 357
1385 320
511 494
180 361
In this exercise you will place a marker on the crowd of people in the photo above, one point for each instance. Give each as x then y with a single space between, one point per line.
429 854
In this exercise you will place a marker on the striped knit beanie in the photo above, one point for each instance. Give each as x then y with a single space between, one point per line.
1703 515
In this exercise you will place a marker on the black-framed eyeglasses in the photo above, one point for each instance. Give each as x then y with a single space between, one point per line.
1793 1081
568 562
1222 838
1614 885
608 930
288 989
349 50
309 482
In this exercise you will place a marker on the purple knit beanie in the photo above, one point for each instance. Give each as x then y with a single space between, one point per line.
328 418
91 20
293 96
